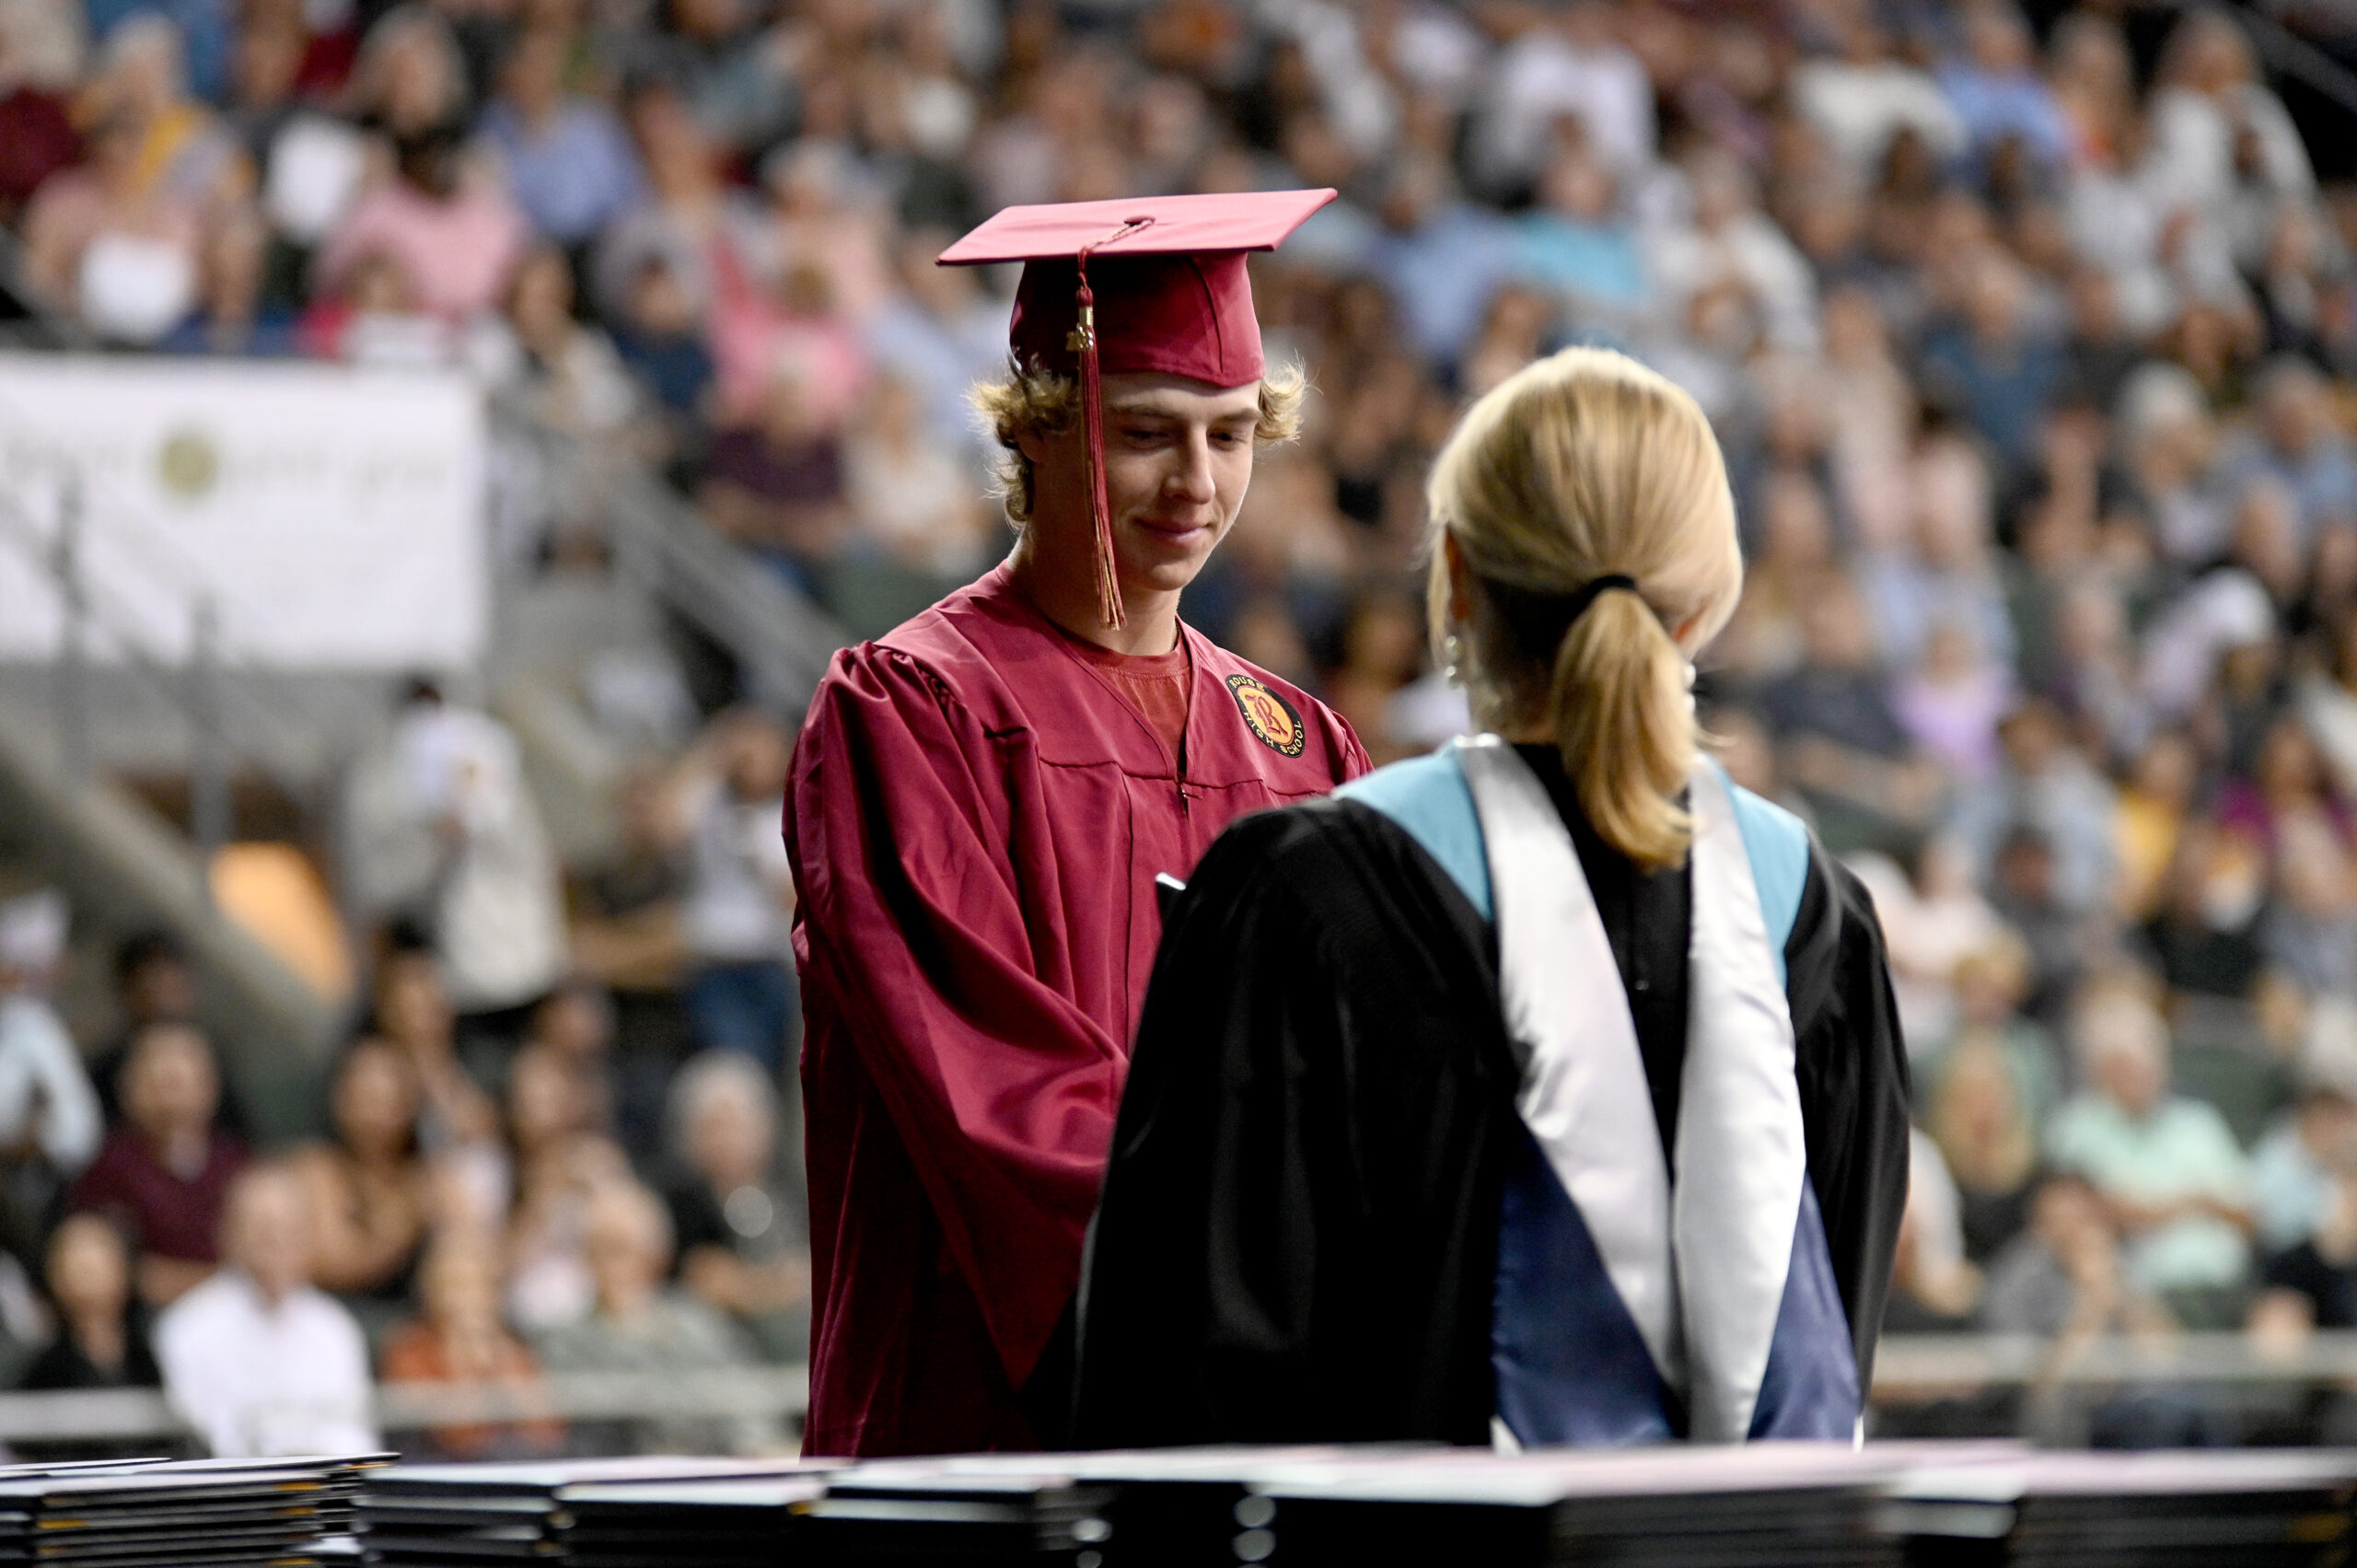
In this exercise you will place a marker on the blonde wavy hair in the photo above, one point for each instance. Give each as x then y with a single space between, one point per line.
1042 403
1580 466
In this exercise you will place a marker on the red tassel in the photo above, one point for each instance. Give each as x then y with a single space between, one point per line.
1082 342
1108 580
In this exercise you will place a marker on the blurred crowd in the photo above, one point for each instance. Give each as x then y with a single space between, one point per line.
550 1144
2026 332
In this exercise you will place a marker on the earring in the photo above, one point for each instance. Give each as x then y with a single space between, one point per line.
1452 649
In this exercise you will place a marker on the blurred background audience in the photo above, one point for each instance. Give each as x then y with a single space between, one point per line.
2028 332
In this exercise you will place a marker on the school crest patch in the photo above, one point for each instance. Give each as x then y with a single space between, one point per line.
1270 718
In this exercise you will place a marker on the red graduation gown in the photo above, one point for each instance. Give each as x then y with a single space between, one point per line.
976 818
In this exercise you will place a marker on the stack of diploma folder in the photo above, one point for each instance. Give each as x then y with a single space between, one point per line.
710 1523
2249 1508
181 1514
1792 1505
610 1513
1788 1506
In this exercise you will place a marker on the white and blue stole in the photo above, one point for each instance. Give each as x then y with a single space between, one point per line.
1633 1308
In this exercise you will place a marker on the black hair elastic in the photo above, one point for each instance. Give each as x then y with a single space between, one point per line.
1577 601
1534 624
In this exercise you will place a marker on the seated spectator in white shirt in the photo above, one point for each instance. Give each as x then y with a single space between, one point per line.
1859 102
444 832
1569 64
255 1358
48 1112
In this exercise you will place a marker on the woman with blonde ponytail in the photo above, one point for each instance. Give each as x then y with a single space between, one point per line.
1584 537
1544 1090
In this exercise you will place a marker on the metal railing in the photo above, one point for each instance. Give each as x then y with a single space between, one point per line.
1909 1368
2286 52
131 1415
663 546
1914 1364
229 724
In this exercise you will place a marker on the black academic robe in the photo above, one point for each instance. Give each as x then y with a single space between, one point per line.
1297 1238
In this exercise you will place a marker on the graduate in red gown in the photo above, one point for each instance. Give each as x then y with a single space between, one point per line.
982 801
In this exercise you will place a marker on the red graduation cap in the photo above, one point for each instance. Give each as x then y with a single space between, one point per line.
1156 284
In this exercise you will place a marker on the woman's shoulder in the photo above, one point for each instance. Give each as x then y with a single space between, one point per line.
1783 854
1287 846
1269 849
1427 800
1342 871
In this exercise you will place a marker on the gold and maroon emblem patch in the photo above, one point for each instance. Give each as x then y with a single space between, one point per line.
1269 718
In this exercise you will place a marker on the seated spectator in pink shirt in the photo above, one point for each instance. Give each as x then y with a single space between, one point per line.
454 232
813 216
1951 704
791 323
106 245
2289 784
164 1170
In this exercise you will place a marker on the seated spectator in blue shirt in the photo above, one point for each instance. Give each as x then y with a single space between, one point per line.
661 340
1576 243
1993 365
2297 1168
2044 785
570 165
232 317
207 30
2304 1180
1996 90
1441 258
2299 445
940 332
1837 736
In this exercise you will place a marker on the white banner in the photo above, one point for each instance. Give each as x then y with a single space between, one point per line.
333 516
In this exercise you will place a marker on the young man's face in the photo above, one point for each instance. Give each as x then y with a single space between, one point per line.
1177 461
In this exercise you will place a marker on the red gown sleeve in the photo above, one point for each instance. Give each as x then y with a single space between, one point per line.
1356 761
900 823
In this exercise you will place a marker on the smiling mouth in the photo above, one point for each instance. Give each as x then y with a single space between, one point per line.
1170 527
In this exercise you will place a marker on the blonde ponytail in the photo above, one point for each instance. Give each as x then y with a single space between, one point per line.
1622 721
1582 467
